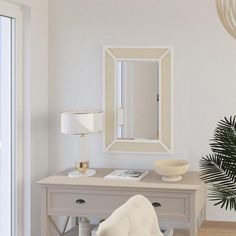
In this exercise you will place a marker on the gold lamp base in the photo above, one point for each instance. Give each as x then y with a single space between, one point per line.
87 173
82 170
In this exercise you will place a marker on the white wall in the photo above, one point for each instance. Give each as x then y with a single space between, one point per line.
35 79
204 76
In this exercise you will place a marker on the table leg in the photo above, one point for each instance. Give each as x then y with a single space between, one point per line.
193 231
193 216
44 216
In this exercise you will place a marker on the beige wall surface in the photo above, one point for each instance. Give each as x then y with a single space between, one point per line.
204 72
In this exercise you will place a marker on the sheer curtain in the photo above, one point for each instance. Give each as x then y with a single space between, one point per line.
6 59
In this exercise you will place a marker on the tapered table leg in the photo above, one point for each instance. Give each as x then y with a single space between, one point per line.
44 216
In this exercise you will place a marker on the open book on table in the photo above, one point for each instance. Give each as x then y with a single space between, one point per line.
135 175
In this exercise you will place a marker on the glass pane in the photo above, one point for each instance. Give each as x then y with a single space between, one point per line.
5 124
138 97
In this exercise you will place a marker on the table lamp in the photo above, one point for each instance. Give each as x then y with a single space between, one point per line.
82 123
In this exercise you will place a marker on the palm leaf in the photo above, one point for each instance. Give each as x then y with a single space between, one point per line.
225 197
215 168
218 170
224 141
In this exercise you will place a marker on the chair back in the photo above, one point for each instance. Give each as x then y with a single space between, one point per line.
136 217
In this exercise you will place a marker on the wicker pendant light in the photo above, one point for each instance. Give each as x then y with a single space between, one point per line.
226 10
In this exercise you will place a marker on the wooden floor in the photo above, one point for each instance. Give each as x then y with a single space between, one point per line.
209 228
213 228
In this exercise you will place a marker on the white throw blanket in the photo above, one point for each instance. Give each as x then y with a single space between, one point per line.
136 217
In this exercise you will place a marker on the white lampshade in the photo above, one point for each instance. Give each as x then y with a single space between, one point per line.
81 122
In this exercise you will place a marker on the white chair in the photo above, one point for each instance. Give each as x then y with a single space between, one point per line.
136 217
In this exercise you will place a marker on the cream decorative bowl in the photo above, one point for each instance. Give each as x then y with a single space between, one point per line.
171 170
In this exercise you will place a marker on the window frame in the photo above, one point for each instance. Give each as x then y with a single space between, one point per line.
13 11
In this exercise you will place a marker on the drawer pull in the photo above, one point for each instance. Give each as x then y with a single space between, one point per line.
156 204
80 201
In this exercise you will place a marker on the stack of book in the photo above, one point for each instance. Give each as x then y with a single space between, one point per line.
134 175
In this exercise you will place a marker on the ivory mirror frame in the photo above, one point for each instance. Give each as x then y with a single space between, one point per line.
164 56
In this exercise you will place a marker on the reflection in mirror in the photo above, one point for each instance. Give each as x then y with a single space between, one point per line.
138 99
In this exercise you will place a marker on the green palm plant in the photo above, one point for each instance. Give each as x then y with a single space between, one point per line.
218 169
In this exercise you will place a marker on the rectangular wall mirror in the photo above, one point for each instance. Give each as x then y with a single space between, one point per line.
138 99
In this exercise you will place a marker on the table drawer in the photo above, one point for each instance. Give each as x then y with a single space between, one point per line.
103 204
171 206
83 204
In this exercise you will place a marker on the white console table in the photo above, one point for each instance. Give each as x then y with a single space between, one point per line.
178 204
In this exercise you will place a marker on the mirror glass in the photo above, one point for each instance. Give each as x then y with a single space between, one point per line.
138 99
